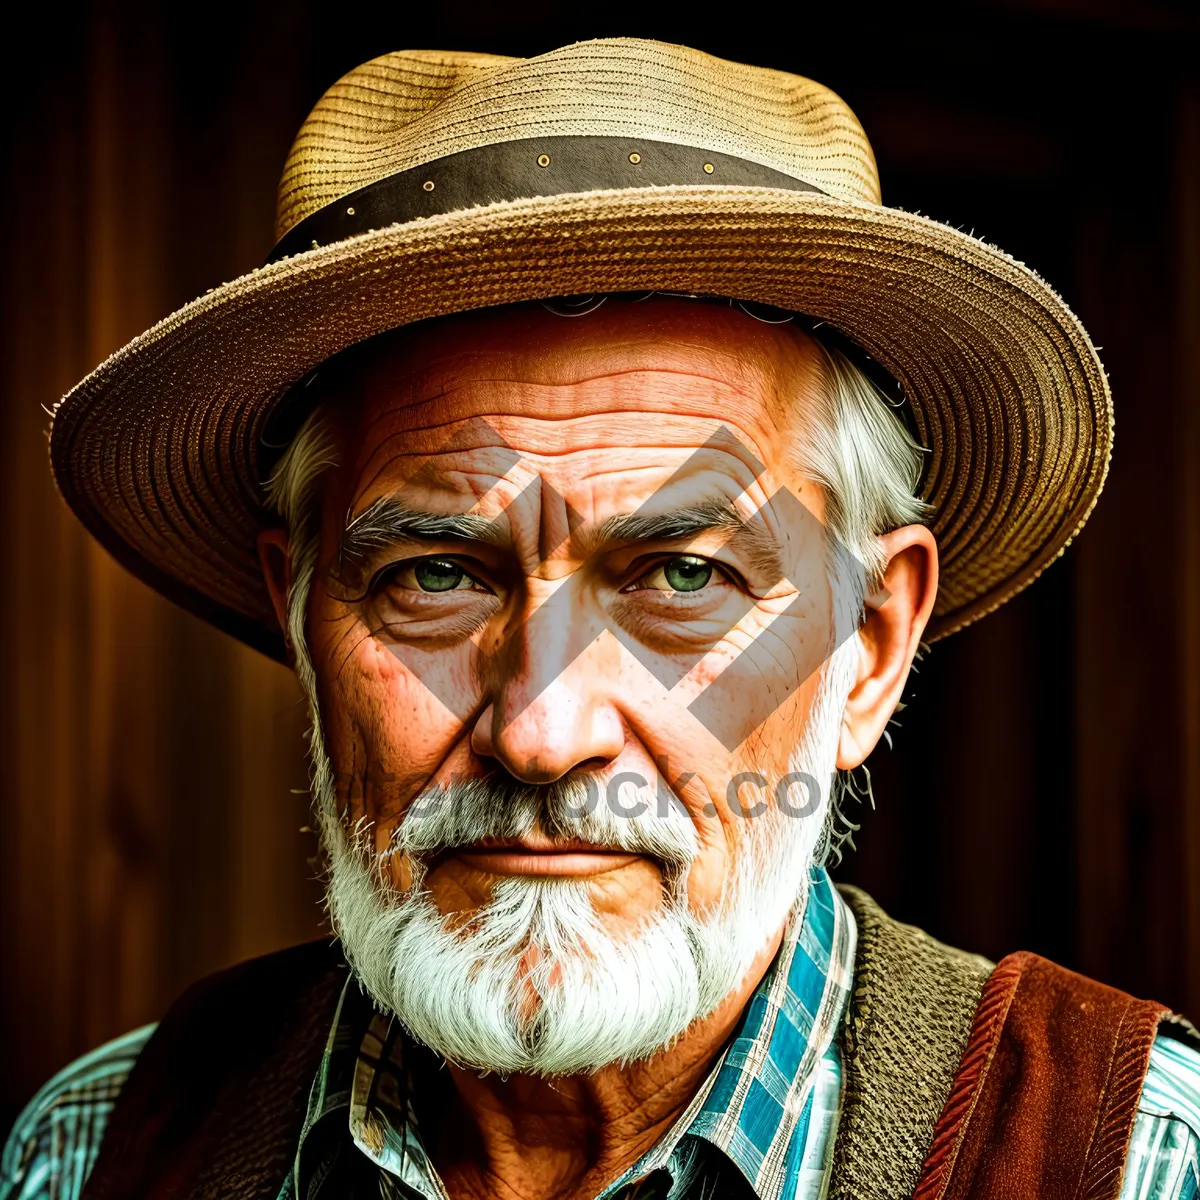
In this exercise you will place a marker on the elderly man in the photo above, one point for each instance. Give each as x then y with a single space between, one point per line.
598 562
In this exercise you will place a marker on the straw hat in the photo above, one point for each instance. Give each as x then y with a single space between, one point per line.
428 183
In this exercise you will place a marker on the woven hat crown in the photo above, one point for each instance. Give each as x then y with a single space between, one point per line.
411 107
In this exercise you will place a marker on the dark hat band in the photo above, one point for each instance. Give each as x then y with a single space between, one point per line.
518 170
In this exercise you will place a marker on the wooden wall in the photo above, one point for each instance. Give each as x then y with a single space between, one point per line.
1045 789
149 828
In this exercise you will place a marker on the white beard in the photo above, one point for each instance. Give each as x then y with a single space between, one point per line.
597 999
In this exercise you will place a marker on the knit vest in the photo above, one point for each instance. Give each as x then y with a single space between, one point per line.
962 1081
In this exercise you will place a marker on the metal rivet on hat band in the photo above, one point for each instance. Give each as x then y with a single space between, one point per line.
514 171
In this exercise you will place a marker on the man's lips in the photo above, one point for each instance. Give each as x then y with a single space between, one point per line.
534 857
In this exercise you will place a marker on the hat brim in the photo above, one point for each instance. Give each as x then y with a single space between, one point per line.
157 449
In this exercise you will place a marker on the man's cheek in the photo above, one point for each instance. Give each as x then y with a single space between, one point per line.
623 898
707 878
391 792
443 681
721 833
364 769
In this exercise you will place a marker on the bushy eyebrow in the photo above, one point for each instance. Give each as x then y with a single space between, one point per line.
689 521
389 520
676 524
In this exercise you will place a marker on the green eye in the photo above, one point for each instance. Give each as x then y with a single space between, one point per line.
438 575
686 573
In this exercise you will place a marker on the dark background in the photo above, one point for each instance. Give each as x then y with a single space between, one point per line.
1044 792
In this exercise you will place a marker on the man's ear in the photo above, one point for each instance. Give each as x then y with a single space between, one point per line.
889 639
276 564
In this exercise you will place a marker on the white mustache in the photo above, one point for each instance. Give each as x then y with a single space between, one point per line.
570 809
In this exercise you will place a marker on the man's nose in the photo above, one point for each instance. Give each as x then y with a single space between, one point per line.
539 731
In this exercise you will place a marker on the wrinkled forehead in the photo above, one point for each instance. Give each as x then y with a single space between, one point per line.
630 381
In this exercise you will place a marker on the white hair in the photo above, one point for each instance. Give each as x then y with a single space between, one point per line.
866 462
599 999
293 492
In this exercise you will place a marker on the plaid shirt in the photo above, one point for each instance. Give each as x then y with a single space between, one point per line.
53 1145
762 1125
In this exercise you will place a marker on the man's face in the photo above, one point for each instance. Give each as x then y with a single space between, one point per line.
578 551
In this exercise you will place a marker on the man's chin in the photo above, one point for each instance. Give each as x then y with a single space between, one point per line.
532 1009
533 983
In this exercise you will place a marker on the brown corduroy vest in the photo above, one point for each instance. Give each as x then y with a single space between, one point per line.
963 1082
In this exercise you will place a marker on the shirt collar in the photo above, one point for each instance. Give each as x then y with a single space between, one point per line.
769 1105
771 1102
780 1079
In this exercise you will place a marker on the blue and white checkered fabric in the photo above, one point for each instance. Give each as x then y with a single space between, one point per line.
53 1145
1162 1161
